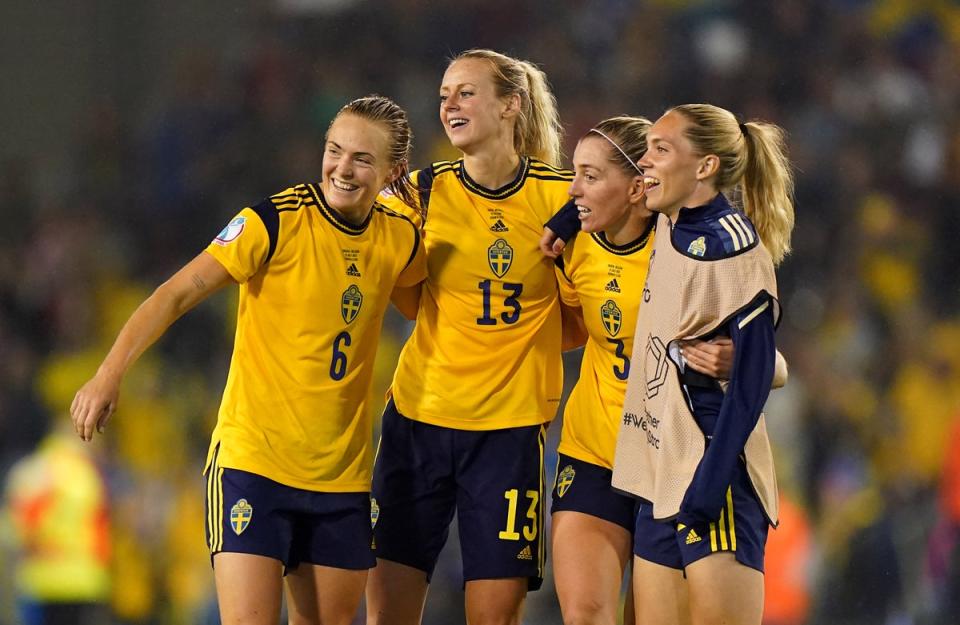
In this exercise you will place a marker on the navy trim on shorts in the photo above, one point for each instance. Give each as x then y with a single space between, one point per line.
582 486
249 513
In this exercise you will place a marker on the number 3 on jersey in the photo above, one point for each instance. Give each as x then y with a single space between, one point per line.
622 372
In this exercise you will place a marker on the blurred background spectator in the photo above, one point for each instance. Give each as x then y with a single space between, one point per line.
133 131
58 528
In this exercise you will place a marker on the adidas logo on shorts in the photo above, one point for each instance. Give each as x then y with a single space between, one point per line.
525 554
693 537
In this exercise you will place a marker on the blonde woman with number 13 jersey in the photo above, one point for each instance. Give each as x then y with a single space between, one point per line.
481 376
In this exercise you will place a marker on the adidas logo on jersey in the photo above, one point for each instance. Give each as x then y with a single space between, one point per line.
693 537
353 271
612 286
525 554
499 226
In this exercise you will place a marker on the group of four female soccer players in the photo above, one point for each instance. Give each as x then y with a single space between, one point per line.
663 454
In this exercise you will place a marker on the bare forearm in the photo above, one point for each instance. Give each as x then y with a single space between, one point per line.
170 301
145 326
96 400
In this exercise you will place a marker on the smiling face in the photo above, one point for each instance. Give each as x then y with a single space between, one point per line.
471 111
355 165
675 176
604 194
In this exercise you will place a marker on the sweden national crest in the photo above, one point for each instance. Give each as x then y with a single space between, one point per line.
350 303
565 479
240 515
374 512
611 316
500 257
698 247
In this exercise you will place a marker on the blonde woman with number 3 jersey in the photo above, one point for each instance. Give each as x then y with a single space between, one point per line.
481 375
288 473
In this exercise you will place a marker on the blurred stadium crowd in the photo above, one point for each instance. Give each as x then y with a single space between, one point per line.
867 430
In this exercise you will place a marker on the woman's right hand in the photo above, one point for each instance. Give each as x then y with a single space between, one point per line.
550 244
94 404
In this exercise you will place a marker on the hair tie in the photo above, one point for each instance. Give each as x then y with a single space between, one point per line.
619 149
744 129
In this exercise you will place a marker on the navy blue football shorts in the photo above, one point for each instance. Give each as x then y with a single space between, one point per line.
248 513
582 486
741 529
492 479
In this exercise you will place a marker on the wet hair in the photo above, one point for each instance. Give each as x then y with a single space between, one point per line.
753 160
538 131
383 110
627 137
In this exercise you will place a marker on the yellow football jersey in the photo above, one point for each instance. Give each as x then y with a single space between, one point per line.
313 291
606 281
485 351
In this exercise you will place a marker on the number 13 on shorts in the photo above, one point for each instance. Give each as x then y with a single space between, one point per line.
529 531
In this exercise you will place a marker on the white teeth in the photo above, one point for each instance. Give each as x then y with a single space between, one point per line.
457 122
583 210
343 186
650 181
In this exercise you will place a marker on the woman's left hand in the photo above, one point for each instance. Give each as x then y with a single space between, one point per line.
713 357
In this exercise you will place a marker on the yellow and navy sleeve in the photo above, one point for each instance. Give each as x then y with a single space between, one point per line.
415 269
752 332
248 242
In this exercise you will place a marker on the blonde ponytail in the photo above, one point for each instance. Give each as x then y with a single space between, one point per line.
538 129
767 187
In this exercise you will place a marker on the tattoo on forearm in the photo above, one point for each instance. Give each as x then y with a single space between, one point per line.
198 282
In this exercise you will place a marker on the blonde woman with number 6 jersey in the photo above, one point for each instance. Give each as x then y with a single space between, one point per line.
481 375
288 472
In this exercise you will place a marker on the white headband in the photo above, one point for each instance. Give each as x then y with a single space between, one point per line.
619 149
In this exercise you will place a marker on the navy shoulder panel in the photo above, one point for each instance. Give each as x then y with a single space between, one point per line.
424 185
268 213
425 182
720 235
416 232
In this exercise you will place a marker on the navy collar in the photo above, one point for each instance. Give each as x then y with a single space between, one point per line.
718 206
494 194
337 220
